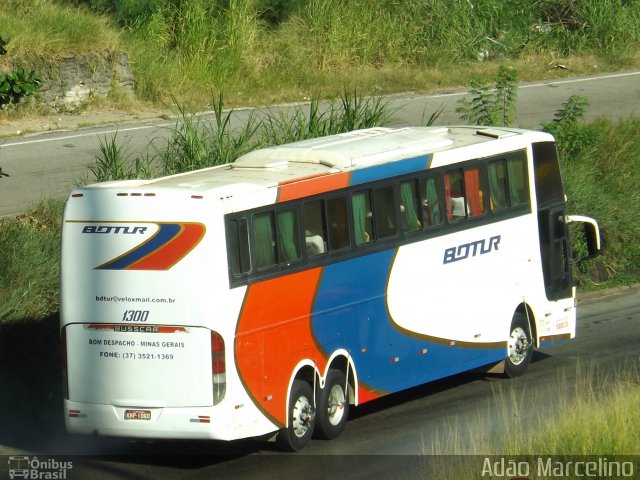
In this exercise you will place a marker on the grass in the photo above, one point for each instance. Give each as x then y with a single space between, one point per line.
197 141
317 48
601 419
30 262
602 178
43 29
596 416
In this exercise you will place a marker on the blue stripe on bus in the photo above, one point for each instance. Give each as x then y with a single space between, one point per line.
165 234
378 347
391 169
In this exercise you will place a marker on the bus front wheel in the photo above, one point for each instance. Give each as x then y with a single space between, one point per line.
520 347
301 421
333 406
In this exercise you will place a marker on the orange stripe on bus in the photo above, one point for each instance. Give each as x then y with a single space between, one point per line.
291 190
168 255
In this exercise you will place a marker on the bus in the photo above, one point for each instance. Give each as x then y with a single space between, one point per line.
272 294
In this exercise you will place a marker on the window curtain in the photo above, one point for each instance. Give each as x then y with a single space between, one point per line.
473 191
497 186
263 235
287 236
359 206
433 202
409 202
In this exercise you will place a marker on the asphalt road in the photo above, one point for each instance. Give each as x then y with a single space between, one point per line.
406 435
49 165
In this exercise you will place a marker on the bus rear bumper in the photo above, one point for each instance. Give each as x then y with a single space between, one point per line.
144 422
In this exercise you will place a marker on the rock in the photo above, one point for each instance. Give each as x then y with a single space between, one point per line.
69 81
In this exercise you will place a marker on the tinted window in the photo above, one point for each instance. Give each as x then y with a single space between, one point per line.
384 212
547 171
338 220
315 232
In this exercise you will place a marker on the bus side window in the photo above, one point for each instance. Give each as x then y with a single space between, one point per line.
264 240
431 202
362 217
498 185
384 212
338 220
238 246
409 207
454 195
315 233
474 191
288 244
518 181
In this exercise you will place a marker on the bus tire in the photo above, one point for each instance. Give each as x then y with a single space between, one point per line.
519 346
301 421
333 406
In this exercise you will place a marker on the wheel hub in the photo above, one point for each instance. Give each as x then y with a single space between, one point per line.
518 346
335 406
303 416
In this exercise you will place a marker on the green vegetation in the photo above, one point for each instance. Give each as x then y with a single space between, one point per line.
260 51
599 416
29 263
491 105
596 416
196 143
16 84
600 167
48 29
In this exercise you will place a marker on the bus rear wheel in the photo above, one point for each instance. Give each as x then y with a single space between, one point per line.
520 347
333 406
302 418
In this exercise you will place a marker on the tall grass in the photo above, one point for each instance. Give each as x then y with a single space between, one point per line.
197 143
265 50
29 263
351 112
600 166
596 416
47 29
200 140
115 162
189 47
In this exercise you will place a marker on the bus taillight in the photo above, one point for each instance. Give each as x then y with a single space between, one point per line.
63 363
218 367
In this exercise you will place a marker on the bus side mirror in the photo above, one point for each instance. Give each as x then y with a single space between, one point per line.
592 237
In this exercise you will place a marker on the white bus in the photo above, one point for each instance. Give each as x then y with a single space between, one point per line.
270 294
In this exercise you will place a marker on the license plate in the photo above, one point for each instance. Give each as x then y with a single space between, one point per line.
137 414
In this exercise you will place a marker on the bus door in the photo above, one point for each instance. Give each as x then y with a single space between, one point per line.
554 238
554 250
